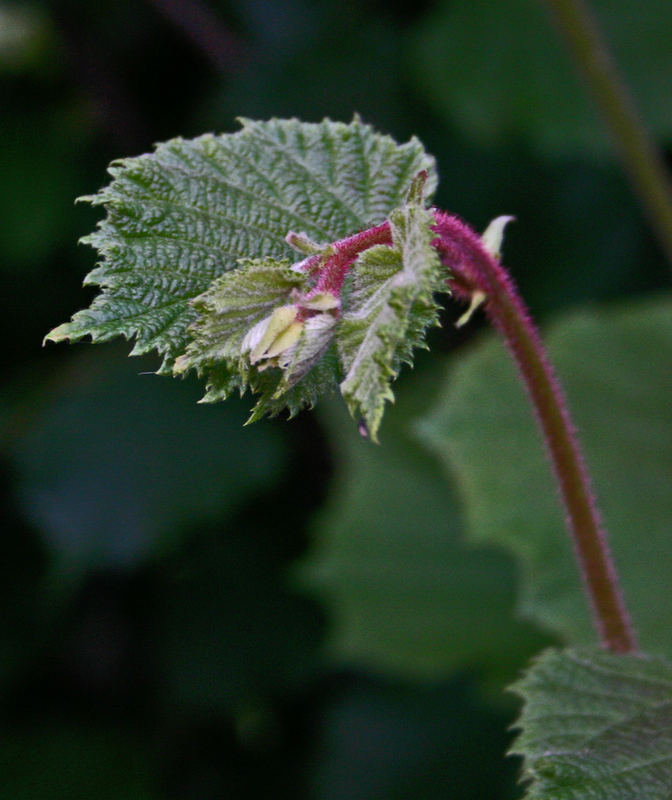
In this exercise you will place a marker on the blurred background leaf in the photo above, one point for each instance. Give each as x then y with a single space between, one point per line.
430 742
406 595
615 364
70 762
232 649
499 70
111 487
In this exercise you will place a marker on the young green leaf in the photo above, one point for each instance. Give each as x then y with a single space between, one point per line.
234 322
182 216
390 306
596 726
250 333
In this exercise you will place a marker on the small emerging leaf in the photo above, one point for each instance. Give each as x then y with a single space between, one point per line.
274 335
314 339
596 726
230 312
389 308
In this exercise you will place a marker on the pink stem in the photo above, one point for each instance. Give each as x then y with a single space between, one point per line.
332 271
474 269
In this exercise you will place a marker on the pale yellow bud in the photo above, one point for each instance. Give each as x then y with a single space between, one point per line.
283 341
273 335
323 301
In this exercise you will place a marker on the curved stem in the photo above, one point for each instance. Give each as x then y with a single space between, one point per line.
474 269
332 268
641 158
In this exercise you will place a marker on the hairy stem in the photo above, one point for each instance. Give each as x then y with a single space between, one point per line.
474 269
332 270
642 160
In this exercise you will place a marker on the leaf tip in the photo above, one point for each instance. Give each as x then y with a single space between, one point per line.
61 333
493 236
477 300
416 191
368 427
181 366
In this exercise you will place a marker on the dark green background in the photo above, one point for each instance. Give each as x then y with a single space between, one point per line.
154 642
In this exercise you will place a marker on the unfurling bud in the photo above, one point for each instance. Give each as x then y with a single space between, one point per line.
273 335
477 300
491 239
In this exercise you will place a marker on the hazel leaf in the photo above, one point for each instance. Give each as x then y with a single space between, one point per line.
596 726
181 217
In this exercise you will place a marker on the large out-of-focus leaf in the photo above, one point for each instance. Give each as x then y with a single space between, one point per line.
230 634
404 594
500 69
381 740
116 463
596 726
71 761
616 364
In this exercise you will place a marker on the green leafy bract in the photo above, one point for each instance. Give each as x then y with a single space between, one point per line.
236 315
182 216
389 308
227 311
265 327
596 726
